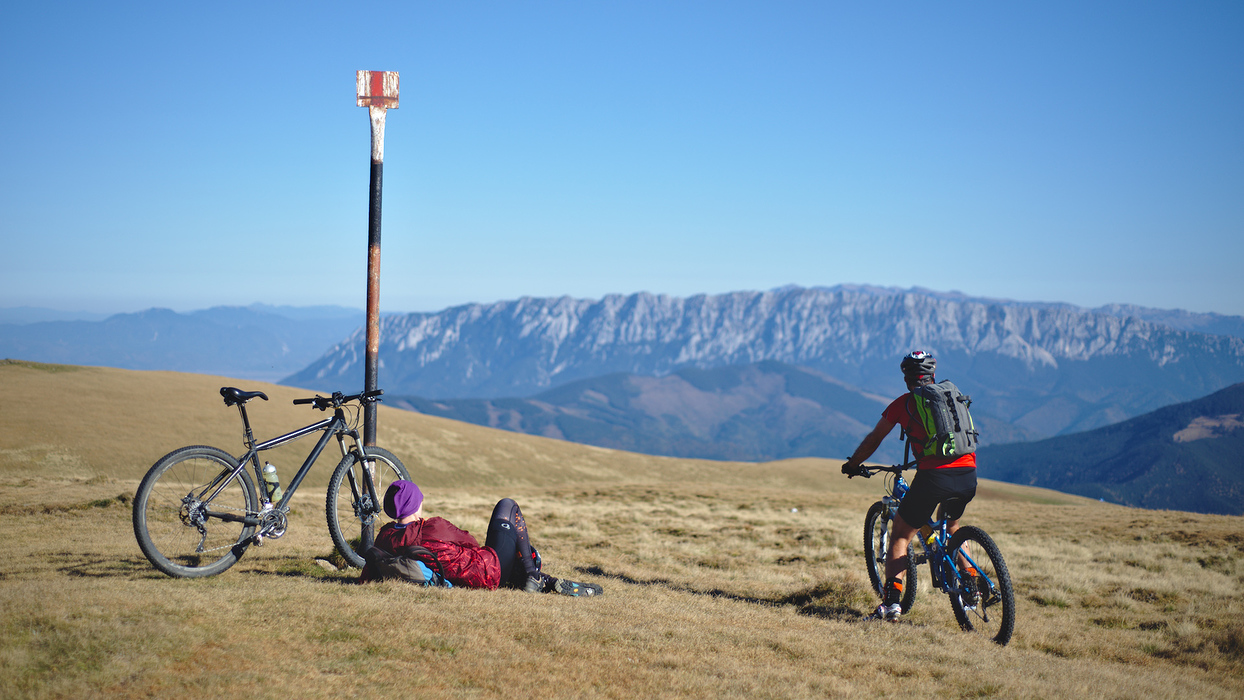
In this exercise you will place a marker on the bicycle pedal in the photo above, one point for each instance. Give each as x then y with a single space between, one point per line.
257 540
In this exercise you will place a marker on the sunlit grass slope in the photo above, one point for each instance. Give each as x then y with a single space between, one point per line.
722 579
98 422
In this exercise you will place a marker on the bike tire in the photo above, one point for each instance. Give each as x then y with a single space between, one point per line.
877 529
991 614
348 509
168 513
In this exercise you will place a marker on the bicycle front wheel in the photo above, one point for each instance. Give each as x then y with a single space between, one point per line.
354 502
183 529
877 530
984 603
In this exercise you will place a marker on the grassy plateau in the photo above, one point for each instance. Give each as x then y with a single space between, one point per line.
721 579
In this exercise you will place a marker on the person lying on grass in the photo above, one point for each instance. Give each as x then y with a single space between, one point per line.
507 558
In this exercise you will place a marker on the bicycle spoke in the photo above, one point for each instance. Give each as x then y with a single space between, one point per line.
983 603
351 505
175 529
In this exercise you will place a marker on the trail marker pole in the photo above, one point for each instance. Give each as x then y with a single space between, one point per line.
377 91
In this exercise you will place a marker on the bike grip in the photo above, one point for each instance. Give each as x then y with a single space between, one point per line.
302 401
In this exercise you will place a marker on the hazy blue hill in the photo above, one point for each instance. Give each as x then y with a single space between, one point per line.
256 342
20 315
763 411
1189 456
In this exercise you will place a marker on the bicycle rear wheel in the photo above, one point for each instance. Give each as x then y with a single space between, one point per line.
351 504
877 528
985 603
183 535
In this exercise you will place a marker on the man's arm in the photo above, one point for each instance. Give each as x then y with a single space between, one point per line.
869 445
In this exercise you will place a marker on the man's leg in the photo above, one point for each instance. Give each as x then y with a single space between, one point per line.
507 535
896 563
952 526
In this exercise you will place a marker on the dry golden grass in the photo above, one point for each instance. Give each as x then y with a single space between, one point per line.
714 586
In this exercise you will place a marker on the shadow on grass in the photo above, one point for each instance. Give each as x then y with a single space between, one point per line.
292 567
91 565
823 601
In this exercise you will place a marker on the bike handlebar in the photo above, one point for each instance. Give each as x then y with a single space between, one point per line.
337 400
867 472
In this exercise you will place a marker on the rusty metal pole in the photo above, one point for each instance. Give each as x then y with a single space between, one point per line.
377 91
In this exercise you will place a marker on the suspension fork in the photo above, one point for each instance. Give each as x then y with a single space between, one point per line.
368 488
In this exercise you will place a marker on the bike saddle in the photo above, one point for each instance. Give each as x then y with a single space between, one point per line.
234 396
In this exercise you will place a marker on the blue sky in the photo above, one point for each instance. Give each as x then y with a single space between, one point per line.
190 155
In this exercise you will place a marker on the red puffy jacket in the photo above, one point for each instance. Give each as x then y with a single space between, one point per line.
466 563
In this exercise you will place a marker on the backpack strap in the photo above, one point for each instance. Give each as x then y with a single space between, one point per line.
905 434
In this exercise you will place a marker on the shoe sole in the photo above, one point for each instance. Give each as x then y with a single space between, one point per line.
881 614
575 589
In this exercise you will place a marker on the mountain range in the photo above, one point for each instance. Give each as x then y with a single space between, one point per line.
253 342
1034 369
1188 456
752 375
757 412
1214 324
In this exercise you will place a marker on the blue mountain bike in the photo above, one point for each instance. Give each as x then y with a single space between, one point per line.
967 567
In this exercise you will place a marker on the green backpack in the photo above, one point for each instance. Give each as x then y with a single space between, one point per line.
943 412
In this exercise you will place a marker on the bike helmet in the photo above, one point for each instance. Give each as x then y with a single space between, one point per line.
918 365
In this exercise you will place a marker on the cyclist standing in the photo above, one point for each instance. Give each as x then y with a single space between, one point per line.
937 479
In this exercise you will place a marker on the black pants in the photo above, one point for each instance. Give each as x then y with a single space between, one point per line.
507 536
954 487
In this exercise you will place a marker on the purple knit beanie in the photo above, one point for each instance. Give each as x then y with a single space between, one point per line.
402 499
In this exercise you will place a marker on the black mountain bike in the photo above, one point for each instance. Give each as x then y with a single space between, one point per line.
197 509
979 588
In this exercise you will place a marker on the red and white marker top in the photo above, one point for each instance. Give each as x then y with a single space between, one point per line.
377 88
377 91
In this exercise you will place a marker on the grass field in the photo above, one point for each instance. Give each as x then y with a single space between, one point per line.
721 579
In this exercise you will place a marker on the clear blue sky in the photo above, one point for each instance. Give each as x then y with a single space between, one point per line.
187 155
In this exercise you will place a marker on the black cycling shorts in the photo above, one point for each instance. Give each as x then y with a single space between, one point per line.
931 487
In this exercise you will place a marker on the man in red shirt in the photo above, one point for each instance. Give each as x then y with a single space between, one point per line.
938 479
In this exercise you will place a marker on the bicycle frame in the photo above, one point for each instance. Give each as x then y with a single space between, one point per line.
337 426
934 538
982 597
197 510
